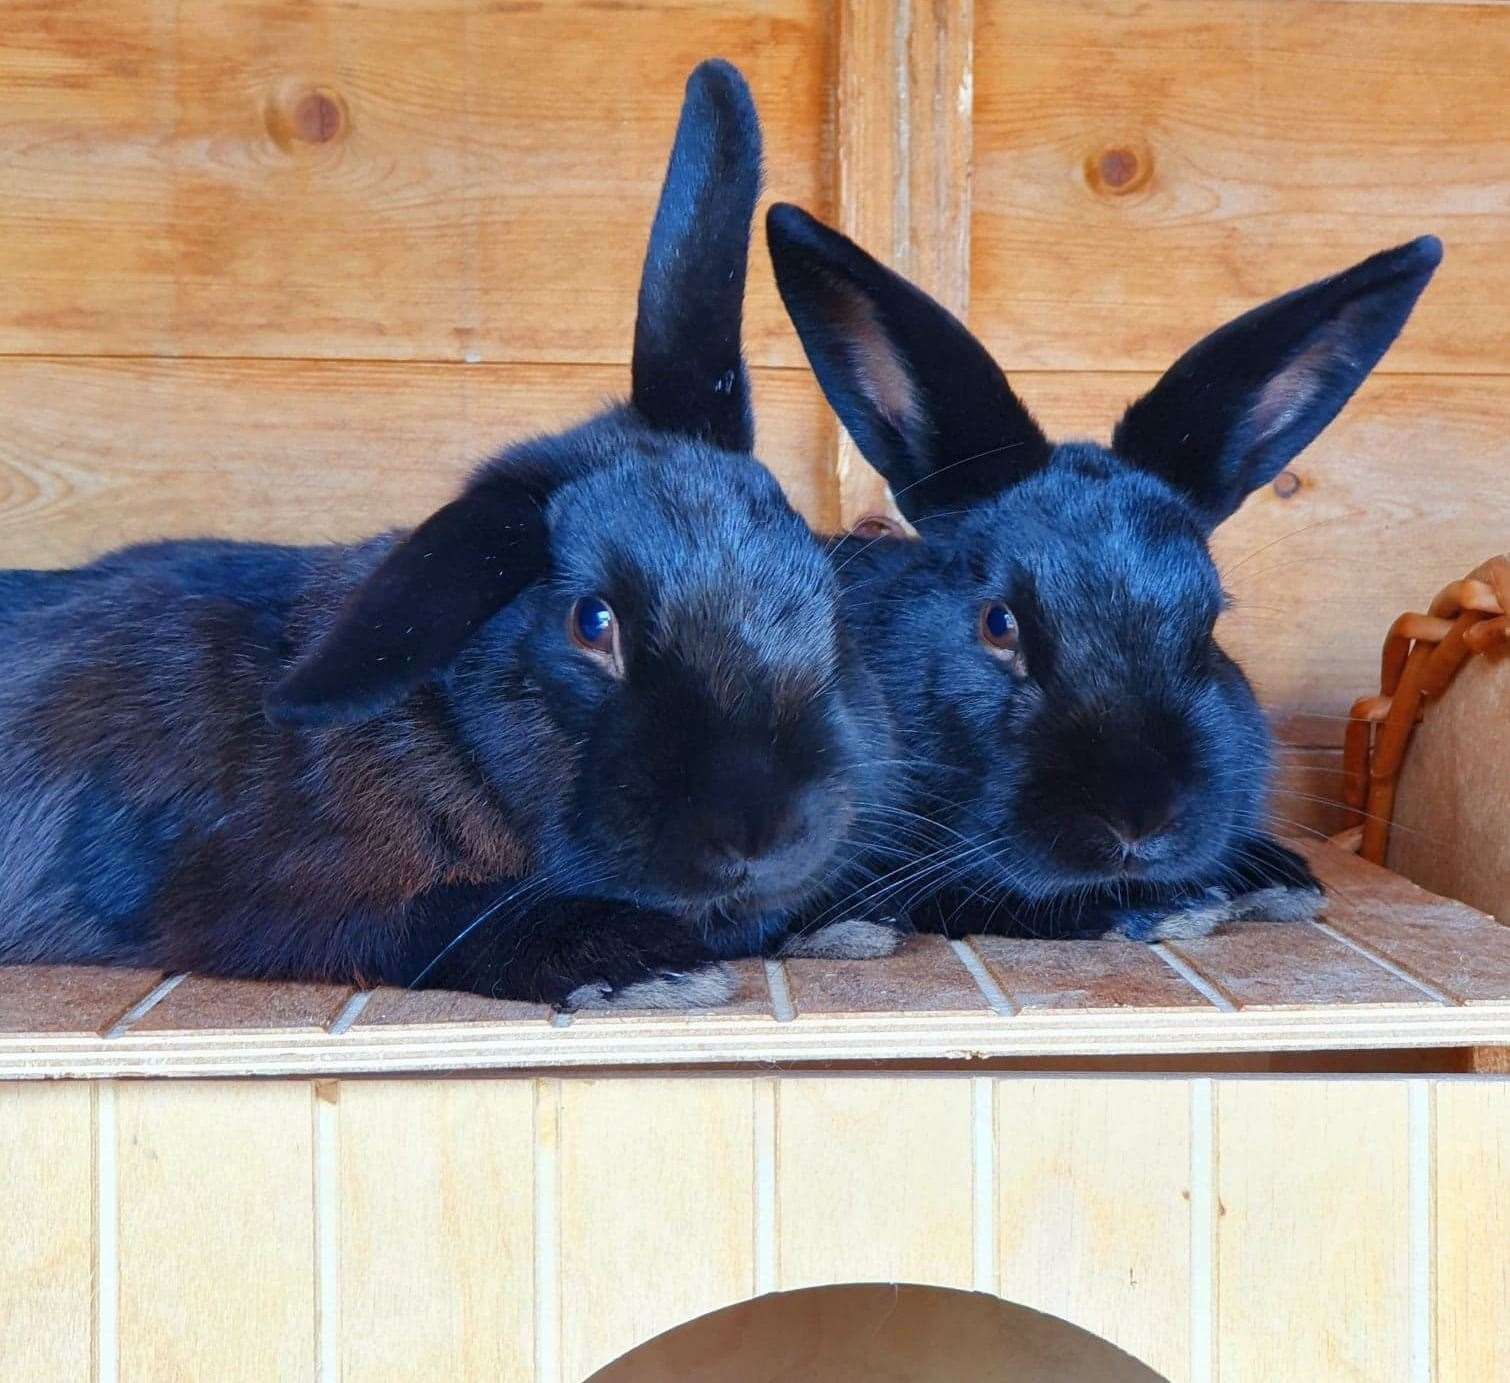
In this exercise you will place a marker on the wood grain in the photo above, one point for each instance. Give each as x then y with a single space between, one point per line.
436 1228
47 1248
904 133
1303 1291
201 1004
873 1181
923 976
684 1147
1472 1209
1284 964
1083 975
1093 1212
98 453
1145 172
448 181
217 1245
1460 952
62 999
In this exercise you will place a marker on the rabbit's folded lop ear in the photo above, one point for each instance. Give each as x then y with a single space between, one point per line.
1239 405
923 400
688 374
419 606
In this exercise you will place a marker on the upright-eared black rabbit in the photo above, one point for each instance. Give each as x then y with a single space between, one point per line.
588 726
1093 762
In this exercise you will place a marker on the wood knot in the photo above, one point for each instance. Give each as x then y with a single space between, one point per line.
301 114
1118 170
1287 484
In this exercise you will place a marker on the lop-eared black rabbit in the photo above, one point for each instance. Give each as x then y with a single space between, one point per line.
589 725
1091 759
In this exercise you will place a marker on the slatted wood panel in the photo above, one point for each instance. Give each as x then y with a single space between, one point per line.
47 1249
1143 172
913 1182
95 453
445 180
216 1232
1284 1151
1472 1162
1390 966
535 1228
1097 1173
435 1246
684 1147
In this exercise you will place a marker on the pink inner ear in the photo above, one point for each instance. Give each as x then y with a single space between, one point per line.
1295 387
879 371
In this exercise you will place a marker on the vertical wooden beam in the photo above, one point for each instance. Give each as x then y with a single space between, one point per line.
904 116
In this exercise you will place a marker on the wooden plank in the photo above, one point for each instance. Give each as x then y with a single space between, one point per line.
685 1146
97 453
1472 1191
924 976
1083 975
1318 573
904 133
201 1004
441 181
61 999
217 1245
1301 1290
1289 964
436 1231
47 1249
424 1007
873 1181
1093 1209
1145 172
1458 951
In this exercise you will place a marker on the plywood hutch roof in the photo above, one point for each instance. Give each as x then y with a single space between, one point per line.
1391 966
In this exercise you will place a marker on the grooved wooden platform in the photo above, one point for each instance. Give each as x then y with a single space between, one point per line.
1390 966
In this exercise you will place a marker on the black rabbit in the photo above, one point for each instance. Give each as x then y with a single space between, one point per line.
1091 760
587 727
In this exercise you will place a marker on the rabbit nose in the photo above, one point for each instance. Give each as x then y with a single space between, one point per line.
1135 831
746 833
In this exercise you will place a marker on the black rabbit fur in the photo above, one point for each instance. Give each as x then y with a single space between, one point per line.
389 762
1106 773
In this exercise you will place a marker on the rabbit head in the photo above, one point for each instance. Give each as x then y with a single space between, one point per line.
1048 645
633 636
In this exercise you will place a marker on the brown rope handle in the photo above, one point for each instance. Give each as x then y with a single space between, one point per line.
1422 654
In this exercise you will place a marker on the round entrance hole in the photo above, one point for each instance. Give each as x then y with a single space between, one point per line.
877 1334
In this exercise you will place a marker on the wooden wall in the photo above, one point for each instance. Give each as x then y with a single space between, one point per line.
538 1228
283 270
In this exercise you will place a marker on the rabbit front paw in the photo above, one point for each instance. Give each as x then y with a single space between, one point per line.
706 987
1202 916
851 938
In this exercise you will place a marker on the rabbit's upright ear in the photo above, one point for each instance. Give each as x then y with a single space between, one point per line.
1238 406
688 375
423 601
924 402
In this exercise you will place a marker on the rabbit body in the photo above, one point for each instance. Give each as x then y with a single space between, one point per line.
584 729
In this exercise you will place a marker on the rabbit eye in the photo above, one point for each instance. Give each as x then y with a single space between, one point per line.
997 626
594 628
